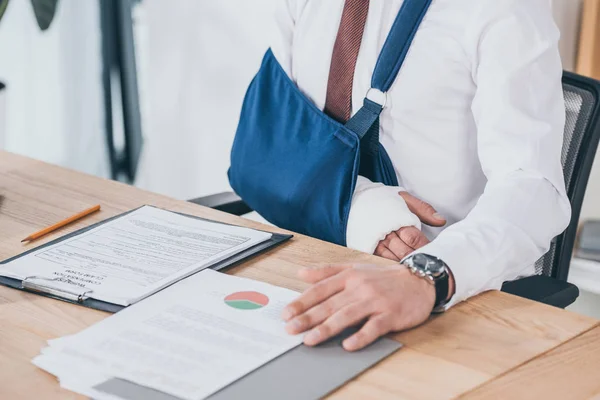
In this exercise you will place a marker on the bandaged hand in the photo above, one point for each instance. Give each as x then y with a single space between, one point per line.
402 242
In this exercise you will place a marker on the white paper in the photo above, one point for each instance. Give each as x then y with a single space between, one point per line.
77 380
133 256
188 340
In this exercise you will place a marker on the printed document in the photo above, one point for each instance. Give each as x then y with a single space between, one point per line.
189 340
133 256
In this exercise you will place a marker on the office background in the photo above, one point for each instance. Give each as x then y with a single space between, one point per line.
194 61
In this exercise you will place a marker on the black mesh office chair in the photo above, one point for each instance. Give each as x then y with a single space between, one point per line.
582 132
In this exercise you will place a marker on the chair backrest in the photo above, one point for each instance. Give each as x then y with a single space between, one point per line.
582 132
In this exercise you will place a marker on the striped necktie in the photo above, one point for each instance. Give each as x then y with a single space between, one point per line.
338 103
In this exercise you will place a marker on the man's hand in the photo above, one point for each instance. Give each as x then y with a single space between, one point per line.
400 243
387 298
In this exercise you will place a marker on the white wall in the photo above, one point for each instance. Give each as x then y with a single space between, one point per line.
201 56
567 14
53 95
591 202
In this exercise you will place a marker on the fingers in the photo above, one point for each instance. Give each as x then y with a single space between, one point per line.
346 317
384 252
412 237
426 213
314 275
376 326
318 314
397 246
401 243
313 296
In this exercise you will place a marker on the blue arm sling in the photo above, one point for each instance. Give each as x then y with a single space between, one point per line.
298 167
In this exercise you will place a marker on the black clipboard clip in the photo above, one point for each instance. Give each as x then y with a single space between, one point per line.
29 285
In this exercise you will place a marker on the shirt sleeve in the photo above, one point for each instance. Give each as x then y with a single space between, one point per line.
286 14
519 113
376 210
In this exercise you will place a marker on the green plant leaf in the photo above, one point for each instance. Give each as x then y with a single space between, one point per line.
44 11
3 5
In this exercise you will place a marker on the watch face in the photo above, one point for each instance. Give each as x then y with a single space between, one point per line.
429 264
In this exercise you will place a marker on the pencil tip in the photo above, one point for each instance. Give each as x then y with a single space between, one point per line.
24 240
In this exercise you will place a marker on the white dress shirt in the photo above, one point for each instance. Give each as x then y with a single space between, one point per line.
473 125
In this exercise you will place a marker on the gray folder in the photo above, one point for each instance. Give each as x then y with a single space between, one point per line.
303 373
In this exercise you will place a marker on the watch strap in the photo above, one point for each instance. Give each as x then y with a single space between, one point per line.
442 285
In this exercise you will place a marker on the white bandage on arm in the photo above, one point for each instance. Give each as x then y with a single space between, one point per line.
376 210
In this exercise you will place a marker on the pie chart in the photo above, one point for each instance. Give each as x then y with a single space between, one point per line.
246 300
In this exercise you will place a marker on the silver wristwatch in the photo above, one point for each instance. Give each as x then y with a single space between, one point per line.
433 270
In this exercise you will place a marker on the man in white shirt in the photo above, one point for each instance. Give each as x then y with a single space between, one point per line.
474 127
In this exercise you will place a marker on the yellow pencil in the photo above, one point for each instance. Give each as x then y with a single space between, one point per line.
60 224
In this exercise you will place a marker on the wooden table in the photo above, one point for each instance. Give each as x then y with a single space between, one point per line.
481 348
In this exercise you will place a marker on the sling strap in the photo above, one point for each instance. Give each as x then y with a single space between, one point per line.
365 123
403 30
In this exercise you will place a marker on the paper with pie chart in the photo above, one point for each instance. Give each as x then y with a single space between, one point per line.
188 340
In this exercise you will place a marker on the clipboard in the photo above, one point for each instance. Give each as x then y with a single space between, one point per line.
75 298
